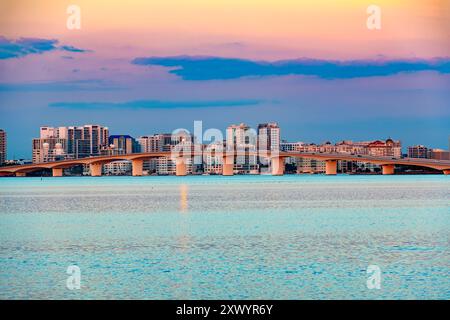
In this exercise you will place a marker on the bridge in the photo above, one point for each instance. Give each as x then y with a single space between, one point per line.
277 162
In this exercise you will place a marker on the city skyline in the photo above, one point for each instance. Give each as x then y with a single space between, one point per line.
77 142
13 156
177 154
236 62
282 139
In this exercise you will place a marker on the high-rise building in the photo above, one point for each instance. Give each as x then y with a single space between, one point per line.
76 144
181 141
75 141
121 144
153 143
47 132
49 149
86 141
156 143
53 132
2 146
269 136
244 139
97 137
239 136
146 143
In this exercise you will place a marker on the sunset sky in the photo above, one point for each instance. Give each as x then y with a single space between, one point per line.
142 67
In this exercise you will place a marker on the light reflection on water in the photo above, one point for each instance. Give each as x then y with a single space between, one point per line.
291 237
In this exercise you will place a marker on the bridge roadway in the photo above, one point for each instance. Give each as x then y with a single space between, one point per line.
277 162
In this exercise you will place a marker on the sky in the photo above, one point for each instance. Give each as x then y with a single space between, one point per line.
143 67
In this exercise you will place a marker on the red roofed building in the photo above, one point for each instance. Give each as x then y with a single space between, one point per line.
388 148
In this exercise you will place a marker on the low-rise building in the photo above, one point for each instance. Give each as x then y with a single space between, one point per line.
307 165
213 163
117 168
378 148
439 154
419 152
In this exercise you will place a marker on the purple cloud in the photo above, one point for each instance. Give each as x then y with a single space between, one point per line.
216 68
156 104
24 46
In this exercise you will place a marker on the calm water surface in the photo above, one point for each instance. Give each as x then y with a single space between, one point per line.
214 237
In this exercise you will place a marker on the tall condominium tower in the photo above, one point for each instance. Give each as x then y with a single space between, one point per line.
240 136
122 144
2 146
155 143
69 142
269 136
85 141
243 138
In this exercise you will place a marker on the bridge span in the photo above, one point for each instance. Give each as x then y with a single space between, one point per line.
277 162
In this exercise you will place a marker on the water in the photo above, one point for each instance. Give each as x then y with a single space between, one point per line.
214 237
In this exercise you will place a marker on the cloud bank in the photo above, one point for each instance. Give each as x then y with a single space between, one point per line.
58 86
25 46
154 104
216 68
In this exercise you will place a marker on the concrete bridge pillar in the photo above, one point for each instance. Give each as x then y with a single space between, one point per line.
331 167
57 172
181 169
21 174
388 168
277 164
96 169
447 171
137 167
228 166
